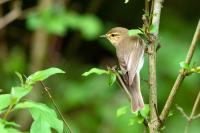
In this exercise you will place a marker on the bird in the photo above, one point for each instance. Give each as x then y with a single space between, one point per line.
130 53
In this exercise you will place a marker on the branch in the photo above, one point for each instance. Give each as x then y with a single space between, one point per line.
180 76
152 67
195 106
182 112
12 15
9 18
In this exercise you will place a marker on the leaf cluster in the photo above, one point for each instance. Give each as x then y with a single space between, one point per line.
44 117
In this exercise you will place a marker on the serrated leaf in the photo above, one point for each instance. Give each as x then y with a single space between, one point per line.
40 126
122 111
112 79
19 92
134 32
42 75
145 111
153 28
184 65
41 111
95 71
5 101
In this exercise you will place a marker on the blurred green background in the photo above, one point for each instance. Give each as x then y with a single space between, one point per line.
65 34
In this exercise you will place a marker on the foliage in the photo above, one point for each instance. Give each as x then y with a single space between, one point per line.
190 69
110 73
59 21
44 117
134 32
136 117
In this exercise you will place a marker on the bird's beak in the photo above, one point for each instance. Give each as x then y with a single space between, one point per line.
103 35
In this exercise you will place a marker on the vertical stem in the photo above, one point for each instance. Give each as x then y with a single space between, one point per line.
152 68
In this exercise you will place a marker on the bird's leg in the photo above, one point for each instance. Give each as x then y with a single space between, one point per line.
121 80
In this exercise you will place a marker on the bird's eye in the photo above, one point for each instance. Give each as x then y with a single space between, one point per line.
112 35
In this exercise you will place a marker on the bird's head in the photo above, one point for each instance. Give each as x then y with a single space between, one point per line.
116 35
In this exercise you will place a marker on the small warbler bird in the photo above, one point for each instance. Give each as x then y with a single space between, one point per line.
130 54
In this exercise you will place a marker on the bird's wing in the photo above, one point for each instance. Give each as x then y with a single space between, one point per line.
134 60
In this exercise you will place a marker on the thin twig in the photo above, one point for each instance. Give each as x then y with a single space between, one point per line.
191 117
9 18
195 105
182 112
196 116
55 105
180 76
121 82
194 108
8 111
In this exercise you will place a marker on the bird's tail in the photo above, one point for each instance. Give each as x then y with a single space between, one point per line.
137 102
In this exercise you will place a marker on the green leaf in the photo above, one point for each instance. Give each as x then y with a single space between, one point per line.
96 71
123 110
19 92
42 75
195 69
5 101
112 79
134 32
90 26
40 126
184 65
145 111
9 123
12 130
140 120
134 118
170 114
153 28
41 111
132 121
33 21
4 129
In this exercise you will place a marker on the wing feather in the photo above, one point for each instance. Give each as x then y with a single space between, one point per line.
131 58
